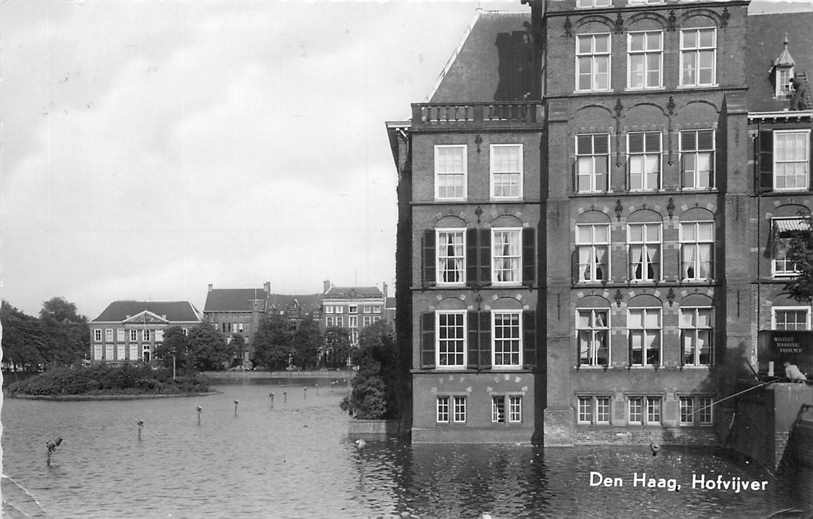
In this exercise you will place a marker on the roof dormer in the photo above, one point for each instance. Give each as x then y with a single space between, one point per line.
782 72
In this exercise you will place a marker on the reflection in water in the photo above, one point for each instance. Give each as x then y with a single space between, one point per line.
295 460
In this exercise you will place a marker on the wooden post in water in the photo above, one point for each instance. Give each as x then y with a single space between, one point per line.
51 446
271 397
199 411
236 403
317 389
284 396
140 424
305 393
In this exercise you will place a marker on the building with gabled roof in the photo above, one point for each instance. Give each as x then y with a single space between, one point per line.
237 311
129 331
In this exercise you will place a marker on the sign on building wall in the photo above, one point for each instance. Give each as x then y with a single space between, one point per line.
786 345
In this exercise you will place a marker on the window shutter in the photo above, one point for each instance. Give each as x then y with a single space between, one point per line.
471 257
472 346
529 339
681 362
574 265
528 255
574 174
428 340
485 340
429 258
765 161
484 256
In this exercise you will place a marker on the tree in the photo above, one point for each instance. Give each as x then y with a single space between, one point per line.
60 310
208 350
238 344
374 395
306 342
800 253
337 347
272 343
176 344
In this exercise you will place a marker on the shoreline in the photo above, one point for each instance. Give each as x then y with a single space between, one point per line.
277 375
112 396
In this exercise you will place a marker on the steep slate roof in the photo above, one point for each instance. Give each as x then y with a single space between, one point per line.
173 310
477 72
766 34
232 299
307 302
352 293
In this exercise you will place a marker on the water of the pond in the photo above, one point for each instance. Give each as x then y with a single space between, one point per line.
296 460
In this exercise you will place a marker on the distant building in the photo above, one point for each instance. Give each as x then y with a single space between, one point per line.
237 310
352 308
129 331
296 308
389 311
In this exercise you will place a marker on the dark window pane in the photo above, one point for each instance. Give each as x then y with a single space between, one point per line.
636 142
705 139
600 143
653 142
688 141
583 144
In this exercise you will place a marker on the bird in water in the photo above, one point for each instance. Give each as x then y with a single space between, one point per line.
360 443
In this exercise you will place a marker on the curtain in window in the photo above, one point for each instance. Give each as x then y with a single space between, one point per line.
602 352
653 349
505 272
636 265
601 263
652 261
636 346
687 261
705 260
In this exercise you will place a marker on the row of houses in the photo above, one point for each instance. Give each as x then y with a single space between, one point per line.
595 207
130 330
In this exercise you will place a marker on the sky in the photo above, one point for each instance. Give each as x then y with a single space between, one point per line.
148 148
152 147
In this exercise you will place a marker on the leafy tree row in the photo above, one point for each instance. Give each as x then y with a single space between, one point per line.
374 392
278 344
204 349
58 337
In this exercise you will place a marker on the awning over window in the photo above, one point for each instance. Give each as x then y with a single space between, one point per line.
786 226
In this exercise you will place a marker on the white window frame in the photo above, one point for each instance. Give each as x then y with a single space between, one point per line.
594 331
459 410
697 243
442 409
650 420
593 246
464 340
593 4
644 154
97 335
437 175
438 270
514 408
376 309
645 333
520 173
109 351
592 159
645 53
366 309
704 418
593 56
339 309
805 160
328 309
593 418
133 351
353 321
696 51
697 152
133 335
805 309
706 405
494 314
98 352
121 351
517 271
645 241
684 329
145 335
120 334
785 272
642 410
108 335
782 89
353 309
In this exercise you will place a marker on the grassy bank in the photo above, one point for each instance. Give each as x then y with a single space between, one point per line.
108 380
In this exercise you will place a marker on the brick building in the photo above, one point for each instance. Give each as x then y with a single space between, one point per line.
654 162
128 331
237 311
351 308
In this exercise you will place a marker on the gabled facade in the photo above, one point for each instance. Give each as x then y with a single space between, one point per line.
635 187
129 331
237 311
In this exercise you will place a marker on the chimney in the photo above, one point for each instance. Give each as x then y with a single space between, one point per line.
267 287
210 287
384 289
327 285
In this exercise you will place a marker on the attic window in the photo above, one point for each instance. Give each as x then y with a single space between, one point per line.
782 72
